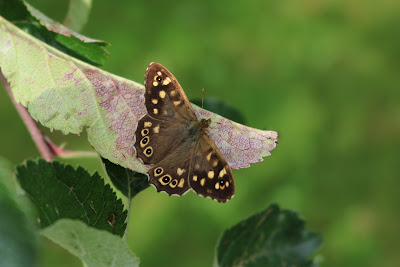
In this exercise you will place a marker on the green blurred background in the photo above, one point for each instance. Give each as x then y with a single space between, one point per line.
324 74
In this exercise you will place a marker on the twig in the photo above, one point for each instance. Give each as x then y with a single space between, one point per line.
30 123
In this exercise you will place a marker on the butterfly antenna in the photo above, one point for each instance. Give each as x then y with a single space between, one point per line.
202 98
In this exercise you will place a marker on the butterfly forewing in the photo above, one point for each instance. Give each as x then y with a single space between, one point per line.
164 97
210 174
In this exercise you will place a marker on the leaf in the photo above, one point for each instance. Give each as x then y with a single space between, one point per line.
18 246
65 94
78 14
130 183
273 237
31 20
60 191
222 108
93 247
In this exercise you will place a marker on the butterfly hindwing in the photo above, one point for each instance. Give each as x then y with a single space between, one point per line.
171 174
155 139
210 174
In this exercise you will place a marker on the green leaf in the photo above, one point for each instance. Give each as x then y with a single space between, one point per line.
130 183
18 244
78 14
93 247
273 237
55 34
221 108
60 191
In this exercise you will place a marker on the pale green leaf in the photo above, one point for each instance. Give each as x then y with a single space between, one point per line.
78 14
95 248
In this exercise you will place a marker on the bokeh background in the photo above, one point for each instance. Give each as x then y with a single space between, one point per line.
324 74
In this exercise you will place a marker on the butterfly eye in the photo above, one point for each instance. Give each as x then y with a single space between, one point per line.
165 179
158 171
144 141
145 132
149 151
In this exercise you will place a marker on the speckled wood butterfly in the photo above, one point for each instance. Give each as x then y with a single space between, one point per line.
176 143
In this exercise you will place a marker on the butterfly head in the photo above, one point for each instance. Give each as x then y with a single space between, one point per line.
204 124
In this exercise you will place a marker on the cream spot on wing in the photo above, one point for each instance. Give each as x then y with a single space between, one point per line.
159 73
209 191
195 178
147 124
166 81
197 166
154 101
222 173
217 185
202 181
226 183
164 112
181 183
172 93
155 83
180 171
208 157
210 174
215 163
176 102
155 111
156 129
162 93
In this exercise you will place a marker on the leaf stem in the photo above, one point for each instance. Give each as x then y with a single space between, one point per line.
37 136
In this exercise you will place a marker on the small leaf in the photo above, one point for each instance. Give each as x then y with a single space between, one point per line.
53 33
130 183
269 238
221 108
93 247
18 245
60 191
78 14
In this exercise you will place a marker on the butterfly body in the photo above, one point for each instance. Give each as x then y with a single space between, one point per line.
176 143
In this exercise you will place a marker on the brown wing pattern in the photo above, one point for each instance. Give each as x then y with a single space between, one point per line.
210 174
172 139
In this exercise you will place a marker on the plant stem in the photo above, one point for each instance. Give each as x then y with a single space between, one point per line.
30 123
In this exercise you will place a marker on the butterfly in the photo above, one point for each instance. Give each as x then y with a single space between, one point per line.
176 144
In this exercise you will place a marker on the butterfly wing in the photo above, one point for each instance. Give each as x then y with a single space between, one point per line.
210 174
171 174
162 136
164 96
169 115
169 137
